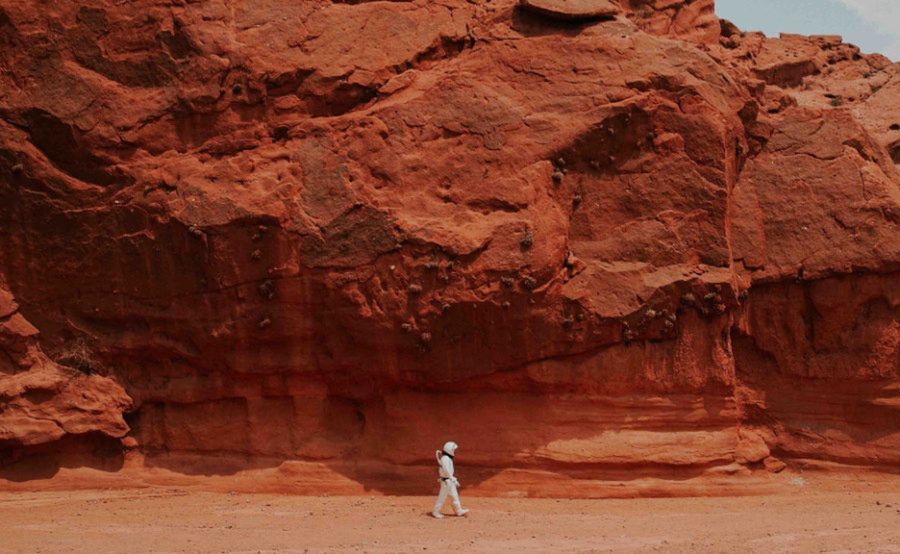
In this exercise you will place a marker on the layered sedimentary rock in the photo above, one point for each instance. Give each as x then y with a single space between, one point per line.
629 246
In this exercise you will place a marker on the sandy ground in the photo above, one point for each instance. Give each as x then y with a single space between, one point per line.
175 520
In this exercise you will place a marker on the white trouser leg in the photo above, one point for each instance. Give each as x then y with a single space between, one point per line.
454 497
442 496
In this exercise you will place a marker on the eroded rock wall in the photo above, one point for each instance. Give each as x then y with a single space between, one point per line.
597 245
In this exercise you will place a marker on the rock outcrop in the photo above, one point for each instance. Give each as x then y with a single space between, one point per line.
43 401
608 247
571 9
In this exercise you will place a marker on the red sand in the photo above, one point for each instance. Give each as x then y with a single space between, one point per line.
815 517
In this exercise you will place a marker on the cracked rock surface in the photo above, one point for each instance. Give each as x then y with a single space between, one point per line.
636 249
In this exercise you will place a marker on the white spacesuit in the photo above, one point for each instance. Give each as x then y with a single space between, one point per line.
449 483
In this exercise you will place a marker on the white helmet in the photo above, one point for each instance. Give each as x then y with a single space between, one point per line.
450 447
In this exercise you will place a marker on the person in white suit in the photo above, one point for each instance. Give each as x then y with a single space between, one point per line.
449 483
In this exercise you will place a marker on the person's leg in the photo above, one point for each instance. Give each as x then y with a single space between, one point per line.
442 497
457 504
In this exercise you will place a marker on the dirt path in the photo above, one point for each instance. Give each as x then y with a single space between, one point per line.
173 520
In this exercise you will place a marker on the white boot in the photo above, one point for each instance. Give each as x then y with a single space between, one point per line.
437 515
461 512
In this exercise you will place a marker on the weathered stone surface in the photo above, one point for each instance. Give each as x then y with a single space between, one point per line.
571 9
693 20
796 212
640 254
43 401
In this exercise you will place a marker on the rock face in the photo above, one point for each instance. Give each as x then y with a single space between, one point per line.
44 401
571 9
624 253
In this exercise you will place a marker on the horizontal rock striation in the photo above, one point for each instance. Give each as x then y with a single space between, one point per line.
611 248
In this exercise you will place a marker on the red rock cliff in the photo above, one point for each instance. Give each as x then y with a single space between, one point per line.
609 248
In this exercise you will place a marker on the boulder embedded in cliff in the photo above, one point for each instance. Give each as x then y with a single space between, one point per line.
571 9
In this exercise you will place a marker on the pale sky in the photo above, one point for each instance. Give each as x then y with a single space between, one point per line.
873 25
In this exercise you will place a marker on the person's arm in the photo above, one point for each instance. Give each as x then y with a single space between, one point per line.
447 465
